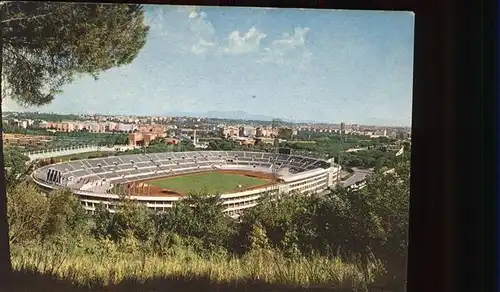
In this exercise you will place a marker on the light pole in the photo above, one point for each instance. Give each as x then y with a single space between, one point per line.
275 178
275 126
340 152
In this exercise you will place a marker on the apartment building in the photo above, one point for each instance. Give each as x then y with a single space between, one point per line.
20 123
266 132
143 135
245 131
226 132
95 127
243 140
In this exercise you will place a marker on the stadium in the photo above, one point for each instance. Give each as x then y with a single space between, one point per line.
160 179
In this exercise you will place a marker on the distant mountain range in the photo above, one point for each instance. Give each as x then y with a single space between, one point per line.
242 115
236 115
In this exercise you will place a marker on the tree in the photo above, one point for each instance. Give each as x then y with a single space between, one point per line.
372 221
285 133
199 215
28 211
156 141
46 45
208 222
102 221
66 215
131 219
258 238
390 195
15 164
284 219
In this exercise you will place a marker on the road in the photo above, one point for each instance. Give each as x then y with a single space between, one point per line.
358 176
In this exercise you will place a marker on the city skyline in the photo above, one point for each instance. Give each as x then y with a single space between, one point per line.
269 120
323 66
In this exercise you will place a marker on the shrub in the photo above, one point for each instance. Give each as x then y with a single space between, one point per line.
28 212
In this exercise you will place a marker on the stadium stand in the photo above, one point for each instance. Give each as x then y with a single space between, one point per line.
93 180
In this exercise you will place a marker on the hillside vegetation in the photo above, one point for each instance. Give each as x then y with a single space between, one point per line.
345 239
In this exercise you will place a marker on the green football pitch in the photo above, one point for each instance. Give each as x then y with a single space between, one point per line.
214 182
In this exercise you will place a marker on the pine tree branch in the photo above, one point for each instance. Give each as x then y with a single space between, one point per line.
26 17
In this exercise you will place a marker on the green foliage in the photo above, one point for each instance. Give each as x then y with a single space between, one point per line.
68 139
28 211
107 263
62 139
102 221
196 221
227 145
9 129
131 220
286 221
223 145
49 117
157 141
351 224
66 216
164 243
200 216
366 228
161 147
389 195
48 44
285 133
373 158
16 167
258 238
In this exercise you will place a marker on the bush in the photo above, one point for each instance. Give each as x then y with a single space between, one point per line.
28 212
132 218
290 239
43 163
66 215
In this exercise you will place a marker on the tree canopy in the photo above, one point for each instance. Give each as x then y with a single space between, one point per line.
47 45
368 227
16 167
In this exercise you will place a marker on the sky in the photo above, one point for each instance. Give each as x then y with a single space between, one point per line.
322 65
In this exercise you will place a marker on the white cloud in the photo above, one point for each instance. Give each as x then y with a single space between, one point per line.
186 29
290 48
186 8
194 33
298 39
199 25
200 37
155 21
202 47
246 43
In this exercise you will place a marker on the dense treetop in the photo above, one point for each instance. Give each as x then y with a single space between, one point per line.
47 45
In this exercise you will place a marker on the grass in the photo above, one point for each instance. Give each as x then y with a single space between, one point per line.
304 142
216 182
109 264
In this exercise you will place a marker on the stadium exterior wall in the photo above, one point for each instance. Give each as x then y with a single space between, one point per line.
234 203
312 181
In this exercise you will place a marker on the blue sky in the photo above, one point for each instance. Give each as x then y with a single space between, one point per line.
333 66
